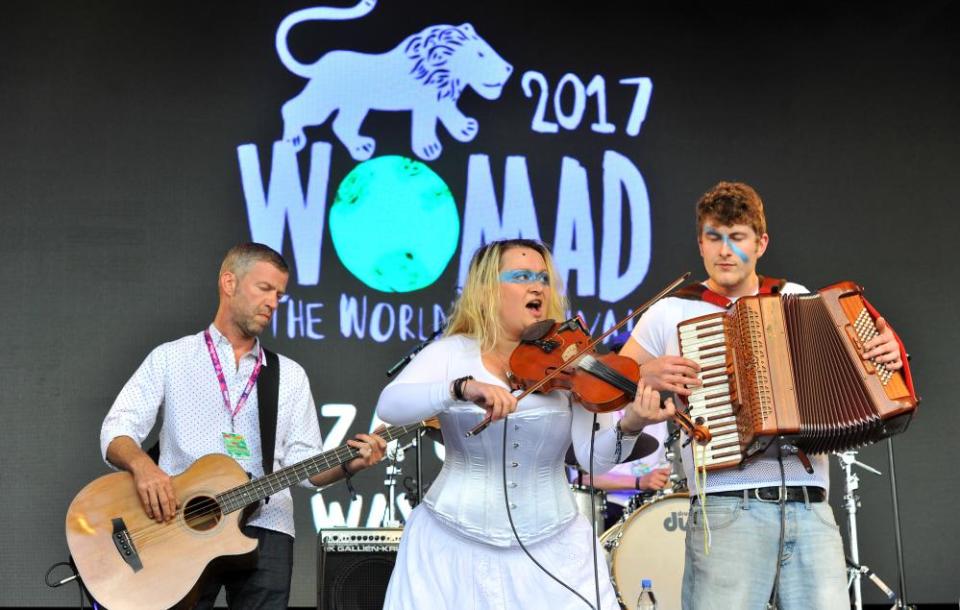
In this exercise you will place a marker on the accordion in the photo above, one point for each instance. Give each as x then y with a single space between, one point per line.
790 367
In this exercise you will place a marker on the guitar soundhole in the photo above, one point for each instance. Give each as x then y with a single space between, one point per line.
202 513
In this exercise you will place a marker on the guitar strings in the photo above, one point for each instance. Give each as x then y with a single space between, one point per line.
223 503
210 506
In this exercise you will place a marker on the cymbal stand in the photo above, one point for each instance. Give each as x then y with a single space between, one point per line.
851 502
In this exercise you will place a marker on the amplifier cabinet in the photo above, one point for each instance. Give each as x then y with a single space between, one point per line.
354 567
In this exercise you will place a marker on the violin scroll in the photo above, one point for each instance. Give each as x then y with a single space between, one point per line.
696 430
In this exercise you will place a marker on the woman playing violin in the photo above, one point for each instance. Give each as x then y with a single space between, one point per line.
458 549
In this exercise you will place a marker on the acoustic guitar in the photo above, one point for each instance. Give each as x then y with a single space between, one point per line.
127 560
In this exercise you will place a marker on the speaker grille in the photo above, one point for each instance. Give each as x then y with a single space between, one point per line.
357 581
354 567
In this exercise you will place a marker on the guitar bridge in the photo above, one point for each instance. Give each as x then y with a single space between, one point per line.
124 543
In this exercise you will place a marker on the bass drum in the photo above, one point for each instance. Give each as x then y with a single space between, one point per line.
649 544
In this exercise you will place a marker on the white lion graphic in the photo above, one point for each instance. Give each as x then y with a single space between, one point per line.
425 74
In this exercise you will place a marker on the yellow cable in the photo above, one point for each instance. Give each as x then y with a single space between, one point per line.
700 478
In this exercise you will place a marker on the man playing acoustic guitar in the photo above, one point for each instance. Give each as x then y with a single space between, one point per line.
212 388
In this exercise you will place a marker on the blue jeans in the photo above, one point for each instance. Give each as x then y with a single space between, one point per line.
739 570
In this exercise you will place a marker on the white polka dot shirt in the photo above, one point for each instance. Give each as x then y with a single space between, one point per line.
177 380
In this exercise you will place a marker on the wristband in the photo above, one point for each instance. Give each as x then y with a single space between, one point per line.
349 483
621 435
457 387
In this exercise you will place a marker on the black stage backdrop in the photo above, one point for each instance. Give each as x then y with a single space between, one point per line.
137 143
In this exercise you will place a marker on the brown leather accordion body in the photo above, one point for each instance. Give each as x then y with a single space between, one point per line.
790 367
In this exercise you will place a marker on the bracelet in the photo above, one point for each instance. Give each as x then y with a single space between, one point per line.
346 472
457 387
621 433
636 484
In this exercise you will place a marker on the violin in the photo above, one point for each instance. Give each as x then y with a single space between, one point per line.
601 383
554 355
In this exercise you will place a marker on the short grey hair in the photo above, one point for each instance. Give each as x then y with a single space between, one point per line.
241 257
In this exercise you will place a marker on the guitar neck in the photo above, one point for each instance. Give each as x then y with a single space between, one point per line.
264 487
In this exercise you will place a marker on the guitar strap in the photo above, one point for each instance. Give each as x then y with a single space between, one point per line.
268 393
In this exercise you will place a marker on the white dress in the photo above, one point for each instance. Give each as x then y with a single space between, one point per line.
458 550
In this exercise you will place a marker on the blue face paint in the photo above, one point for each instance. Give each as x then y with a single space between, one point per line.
524 276
726 240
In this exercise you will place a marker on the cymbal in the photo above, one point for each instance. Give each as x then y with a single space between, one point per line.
645 445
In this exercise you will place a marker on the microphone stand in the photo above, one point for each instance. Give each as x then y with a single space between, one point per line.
393 468
901 601
863 570
398 366
856 571
851 502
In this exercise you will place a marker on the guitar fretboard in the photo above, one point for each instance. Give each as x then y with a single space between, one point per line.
264 487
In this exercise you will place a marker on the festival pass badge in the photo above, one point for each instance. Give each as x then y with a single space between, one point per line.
236 445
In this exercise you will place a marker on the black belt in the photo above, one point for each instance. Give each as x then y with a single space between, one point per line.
772 494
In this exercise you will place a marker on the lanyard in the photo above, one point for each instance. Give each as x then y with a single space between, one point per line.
224 390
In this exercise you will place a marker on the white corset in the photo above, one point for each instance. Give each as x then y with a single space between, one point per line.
468 492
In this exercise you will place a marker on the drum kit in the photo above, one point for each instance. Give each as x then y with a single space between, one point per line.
658 523
651 521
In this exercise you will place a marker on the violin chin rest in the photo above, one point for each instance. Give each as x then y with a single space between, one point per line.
537 331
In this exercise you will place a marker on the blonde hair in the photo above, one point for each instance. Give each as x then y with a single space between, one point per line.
476 312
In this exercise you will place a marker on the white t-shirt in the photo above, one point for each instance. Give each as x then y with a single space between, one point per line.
656 332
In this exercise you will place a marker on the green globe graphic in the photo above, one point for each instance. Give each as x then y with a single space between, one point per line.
394 224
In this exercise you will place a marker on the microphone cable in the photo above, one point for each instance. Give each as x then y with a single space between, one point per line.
516 535
772 602
593 511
